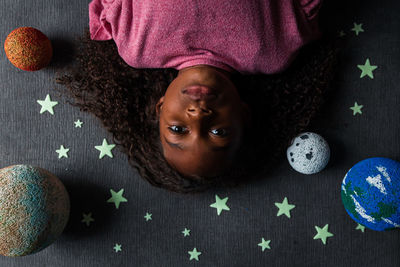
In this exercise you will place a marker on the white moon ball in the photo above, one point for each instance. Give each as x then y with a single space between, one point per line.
308 153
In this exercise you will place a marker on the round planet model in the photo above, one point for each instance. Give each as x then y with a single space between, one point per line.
34 209
28 49
371 193
308 153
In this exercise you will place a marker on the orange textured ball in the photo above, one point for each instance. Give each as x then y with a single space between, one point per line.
28 49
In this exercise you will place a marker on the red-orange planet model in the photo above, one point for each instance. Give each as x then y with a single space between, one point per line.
28 49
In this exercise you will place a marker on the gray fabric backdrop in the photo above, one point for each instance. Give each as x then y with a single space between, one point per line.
231 239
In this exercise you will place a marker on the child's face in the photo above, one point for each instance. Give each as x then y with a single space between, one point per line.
207 131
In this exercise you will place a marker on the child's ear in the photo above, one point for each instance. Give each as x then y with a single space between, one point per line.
159 105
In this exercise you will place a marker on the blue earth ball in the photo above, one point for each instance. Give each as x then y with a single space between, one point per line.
308 153
371 193
34 209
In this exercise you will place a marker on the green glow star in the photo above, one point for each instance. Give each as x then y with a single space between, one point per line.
194 254
47 105
341 34
264 244
284 208
186 232
78 123
323 233
220 204
87 218
117 247
105 149
357 28
148 216
62 152
367 69
360 227
117 197
356 109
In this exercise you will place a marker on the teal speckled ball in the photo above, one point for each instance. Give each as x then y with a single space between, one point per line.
34 209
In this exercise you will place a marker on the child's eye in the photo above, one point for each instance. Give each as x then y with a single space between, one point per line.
179 130
220 132
176 129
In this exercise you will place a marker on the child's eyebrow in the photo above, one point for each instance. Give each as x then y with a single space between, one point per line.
214 148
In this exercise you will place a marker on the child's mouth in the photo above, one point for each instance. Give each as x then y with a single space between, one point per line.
199 92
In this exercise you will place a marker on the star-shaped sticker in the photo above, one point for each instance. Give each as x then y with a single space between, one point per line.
367 69
148 216
194 254
341 34
264 244
105 149
47 105
87 218
117 247
186 232
78 123
220 204
356 109
323 233
284 207
62 152
360 227
357 28
117 197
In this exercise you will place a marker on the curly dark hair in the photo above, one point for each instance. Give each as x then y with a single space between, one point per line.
124 99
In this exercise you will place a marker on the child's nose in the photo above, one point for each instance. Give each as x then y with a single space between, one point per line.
199 111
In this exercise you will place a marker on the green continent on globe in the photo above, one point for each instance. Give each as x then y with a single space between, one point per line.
359 192
385 210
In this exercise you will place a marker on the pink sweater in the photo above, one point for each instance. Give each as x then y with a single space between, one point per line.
248 36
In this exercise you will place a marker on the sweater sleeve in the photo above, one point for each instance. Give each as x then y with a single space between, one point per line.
100 28
310 8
